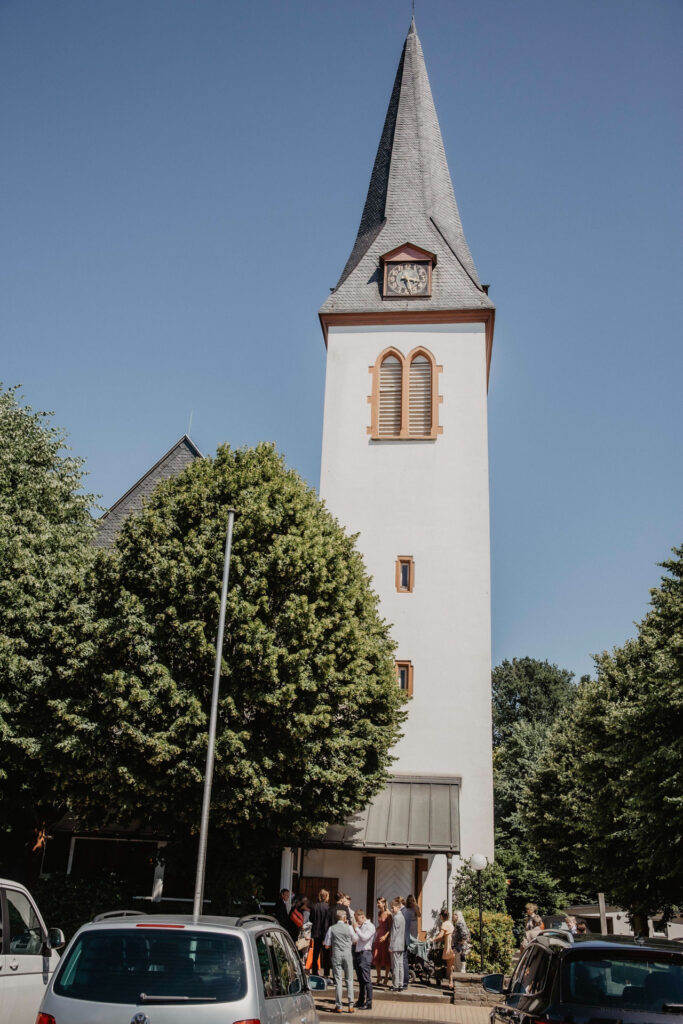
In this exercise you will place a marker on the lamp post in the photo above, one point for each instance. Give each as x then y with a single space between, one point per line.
210 750
478 862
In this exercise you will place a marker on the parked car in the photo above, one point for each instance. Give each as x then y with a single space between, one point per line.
28 954
143 968
590 978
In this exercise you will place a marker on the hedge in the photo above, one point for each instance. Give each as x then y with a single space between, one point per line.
499 942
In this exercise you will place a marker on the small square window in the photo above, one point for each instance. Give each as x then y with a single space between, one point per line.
404 676
405 574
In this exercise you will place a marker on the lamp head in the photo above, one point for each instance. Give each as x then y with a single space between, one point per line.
478 861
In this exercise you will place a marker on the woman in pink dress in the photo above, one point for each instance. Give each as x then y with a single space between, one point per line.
381 958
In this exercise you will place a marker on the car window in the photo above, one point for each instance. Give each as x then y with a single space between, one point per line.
296 984
25 932
535 972
516 986
286 973
143 964
645 982
270 986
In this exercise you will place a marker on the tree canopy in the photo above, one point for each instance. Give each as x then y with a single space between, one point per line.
605 803
309 705
527 690
45 552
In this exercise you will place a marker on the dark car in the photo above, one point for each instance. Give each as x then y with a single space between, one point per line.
567 979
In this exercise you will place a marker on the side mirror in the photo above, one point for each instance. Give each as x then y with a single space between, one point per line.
316 983
55 938
493 984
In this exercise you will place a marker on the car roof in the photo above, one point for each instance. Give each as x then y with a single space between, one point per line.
128 919
603 943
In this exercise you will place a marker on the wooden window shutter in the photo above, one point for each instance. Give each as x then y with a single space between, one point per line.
420 411
390 397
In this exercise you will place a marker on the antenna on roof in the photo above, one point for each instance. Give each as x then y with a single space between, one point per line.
189 425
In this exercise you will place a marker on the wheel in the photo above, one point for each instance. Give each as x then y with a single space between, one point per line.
412 976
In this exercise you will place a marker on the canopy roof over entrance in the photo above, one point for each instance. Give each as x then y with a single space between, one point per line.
415 813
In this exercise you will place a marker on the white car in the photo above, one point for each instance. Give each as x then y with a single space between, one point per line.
125 968
28 954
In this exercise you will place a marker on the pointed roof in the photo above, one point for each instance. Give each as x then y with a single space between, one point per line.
410 199
171 464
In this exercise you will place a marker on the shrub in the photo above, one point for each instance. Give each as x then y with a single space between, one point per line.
499 942
67 902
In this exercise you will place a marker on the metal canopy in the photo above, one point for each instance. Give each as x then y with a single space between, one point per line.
414 813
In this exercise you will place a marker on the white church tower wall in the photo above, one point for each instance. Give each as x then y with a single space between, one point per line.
427 500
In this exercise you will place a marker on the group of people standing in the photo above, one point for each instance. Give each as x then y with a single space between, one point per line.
345 940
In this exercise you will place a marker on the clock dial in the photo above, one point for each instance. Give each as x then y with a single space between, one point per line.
407 279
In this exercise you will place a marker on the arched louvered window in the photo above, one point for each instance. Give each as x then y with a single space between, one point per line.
390 373
420 397
404 399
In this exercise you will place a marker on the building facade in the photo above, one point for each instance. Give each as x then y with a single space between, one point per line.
409 330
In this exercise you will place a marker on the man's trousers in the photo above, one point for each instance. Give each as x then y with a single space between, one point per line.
397 967
342 970
363 964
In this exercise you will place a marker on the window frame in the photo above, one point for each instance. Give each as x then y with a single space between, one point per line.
408 666
374 398
401 561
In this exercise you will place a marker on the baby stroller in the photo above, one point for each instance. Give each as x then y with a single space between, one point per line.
420 966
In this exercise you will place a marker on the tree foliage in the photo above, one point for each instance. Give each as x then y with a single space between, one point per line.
527 690
493 887
309 706
45 553
605 805
528 696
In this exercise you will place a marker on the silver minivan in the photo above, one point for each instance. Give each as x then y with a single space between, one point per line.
162 969
28 954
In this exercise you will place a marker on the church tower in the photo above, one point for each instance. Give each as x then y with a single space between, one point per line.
409 330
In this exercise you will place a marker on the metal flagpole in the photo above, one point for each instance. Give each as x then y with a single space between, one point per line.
210 750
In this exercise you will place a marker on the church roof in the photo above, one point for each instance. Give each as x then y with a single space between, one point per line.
171 464
410 199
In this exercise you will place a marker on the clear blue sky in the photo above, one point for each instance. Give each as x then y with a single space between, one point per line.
182 182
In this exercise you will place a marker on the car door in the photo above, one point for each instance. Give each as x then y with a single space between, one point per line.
271 1011
26 969
294 1004
304 1006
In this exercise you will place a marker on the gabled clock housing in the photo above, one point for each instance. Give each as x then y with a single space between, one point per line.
407 256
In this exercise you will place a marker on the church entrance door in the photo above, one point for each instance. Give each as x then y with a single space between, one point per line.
394 876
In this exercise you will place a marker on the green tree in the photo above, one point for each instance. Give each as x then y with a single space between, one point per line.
45 552
528 695
605 804
527 690
309 706
493 887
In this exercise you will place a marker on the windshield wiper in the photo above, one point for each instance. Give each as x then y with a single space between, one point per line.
145 998
672 1007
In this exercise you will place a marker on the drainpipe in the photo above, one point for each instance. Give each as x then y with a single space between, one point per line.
449 886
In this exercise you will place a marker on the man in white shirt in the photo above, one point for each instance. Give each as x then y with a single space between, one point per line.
362 959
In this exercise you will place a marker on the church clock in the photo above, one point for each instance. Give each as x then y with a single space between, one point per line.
407 272
408 279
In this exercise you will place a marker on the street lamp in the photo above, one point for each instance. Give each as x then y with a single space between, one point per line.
478 862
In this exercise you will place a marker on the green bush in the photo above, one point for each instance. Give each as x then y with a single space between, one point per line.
67 902
499 942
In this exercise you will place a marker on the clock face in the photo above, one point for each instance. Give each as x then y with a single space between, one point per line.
407 279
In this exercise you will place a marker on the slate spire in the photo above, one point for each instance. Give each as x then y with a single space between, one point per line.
410 199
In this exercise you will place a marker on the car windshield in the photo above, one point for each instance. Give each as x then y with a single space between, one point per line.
150 965
650 982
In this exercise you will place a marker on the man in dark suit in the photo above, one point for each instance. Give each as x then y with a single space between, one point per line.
281 911
321 919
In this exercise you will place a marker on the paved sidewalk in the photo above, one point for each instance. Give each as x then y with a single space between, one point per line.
385 1012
